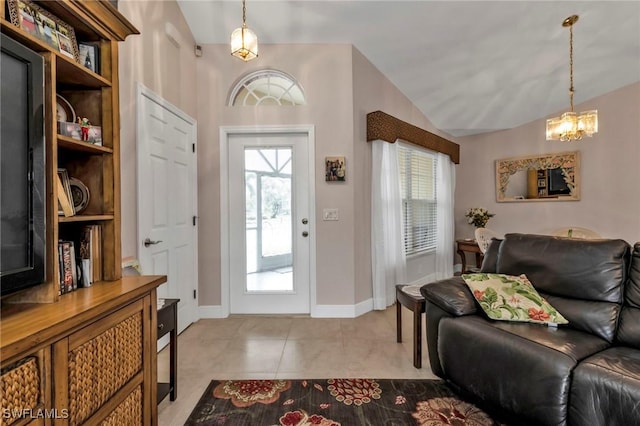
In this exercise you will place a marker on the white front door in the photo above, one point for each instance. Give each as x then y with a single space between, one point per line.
269 223
167 200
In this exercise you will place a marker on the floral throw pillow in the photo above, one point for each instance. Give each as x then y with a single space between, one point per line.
511 298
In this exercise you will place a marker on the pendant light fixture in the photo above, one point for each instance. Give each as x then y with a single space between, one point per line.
571 126
244 43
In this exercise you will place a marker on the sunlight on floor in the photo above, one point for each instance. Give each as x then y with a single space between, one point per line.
271 280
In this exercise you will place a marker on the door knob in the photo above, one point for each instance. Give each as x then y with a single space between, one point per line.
305 234
147 242
305 221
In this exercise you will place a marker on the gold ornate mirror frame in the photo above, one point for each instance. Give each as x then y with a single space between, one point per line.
537 168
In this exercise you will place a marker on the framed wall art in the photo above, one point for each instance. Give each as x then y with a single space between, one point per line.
335 169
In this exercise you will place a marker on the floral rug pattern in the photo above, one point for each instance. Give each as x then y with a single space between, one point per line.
334 402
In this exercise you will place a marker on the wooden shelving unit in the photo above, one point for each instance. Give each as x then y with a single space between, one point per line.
92 353
93 95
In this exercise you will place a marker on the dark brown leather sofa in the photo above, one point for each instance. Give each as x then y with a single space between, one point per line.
584 373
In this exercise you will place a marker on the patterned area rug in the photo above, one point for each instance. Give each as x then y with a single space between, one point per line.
334 402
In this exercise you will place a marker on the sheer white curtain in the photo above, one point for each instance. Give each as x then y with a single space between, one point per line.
445 189
388 261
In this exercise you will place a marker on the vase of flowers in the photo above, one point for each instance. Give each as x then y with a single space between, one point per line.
478 216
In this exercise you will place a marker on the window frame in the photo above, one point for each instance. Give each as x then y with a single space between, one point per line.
292 93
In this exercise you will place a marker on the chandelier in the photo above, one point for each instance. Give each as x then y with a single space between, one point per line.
571 126
244 43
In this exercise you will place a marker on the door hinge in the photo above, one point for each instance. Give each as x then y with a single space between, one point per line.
193 147
194 293
194 220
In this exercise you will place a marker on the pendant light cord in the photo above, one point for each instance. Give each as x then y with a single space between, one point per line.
244 15
571 65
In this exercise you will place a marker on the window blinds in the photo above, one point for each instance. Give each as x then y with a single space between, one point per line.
418 188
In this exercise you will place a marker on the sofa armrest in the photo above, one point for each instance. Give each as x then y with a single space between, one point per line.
451 295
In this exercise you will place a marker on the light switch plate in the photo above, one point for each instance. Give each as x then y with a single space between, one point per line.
330 214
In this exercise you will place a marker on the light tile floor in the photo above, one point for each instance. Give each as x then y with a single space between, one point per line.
291 347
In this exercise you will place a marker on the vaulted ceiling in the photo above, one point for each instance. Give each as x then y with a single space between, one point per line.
469 66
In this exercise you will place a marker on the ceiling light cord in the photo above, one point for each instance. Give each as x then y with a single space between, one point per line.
571 89
244 14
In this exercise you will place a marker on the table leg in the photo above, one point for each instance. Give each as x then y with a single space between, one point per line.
173 363
417 338
464 261
398 321
478 260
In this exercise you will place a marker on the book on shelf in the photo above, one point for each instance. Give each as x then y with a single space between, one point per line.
65 208
91 254
61 288
68 271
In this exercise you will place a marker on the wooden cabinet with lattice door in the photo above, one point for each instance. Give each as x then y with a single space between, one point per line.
88 359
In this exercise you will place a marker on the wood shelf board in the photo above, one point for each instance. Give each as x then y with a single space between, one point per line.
76 145
25 326
74 74
68 71
85 218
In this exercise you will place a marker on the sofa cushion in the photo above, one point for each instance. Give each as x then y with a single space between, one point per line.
605 389
585 276
511 298
629 326
523 368
450 295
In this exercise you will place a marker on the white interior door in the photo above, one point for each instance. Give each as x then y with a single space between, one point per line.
167 200
269 223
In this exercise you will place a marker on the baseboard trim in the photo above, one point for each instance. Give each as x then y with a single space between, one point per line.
212 311
343 311
320 311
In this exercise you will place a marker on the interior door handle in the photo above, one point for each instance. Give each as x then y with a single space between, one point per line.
147 242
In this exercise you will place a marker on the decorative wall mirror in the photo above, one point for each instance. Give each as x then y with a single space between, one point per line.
545 177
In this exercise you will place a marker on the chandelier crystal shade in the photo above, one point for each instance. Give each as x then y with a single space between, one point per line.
571 126
244 42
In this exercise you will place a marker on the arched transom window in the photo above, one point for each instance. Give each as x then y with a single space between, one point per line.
267 87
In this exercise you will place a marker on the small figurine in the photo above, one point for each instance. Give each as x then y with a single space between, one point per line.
85 125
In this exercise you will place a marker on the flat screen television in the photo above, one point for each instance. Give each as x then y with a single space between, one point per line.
22 167
557 184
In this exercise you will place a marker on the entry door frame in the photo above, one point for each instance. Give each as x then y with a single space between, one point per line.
225 133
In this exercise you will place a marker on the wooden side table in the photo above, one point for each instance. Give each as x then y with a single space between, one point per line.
470 246
168 323
416 304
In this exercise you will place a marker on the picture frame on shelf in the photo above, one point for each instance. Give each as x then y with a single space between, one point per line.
65 43
90 55
25 16
44 25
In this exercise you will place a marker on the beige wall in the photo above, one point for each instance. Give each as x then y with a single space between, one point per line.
324 72
162 59
342 86
373 91
610 190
